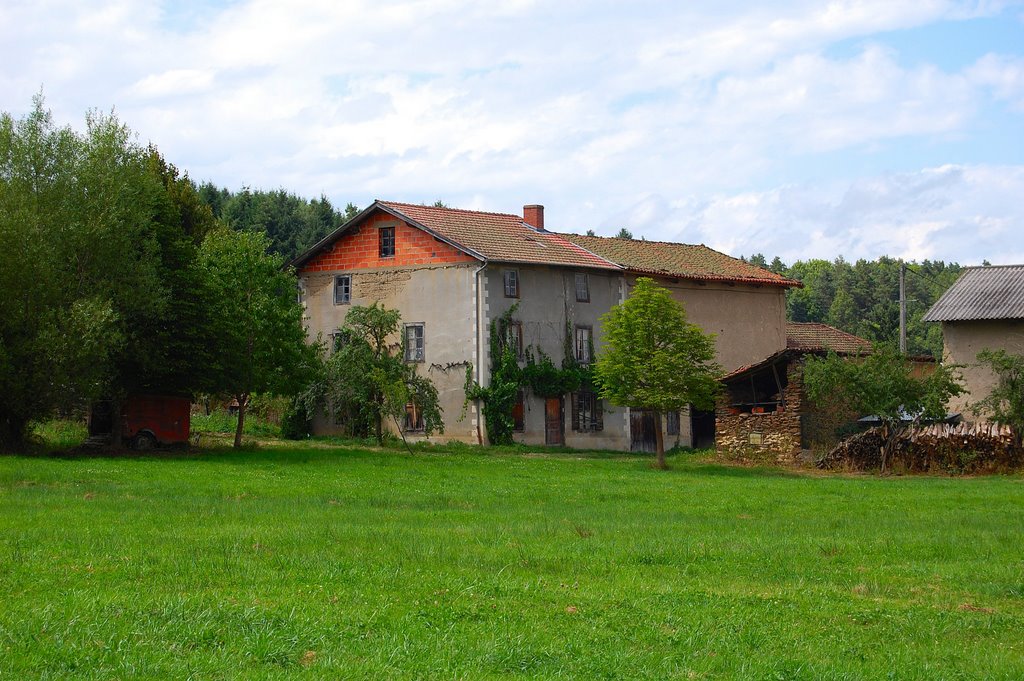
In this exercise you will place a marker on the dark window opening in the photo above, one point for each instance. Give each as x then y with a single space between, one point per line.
386 239
584 344
672 423
582 288
414 343
759 391
511 284
413 418
342 289
587 412
512 334
519 413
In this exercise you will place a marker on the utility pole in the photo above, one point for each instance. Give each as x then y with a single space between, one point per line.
903 308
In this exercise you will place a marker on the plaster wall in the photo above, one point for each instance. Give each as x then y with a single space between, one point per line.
441 297
749 322
547 306
962 341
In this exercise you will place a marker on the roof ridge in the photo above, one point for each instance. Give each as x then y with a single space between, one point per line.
990 267
452 210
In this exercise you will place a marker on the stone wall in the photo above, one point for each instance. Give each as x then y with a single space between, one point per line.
773 437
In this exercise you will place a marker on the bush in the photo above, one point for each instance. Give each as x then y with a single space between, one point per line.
296 423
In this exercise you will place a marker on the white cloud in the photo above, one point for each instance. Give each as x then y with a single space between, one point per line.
656 116
959 213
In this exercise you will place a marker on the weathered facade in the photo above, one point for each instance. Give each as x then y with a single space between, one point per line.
763 414
982 310
743 305
451 274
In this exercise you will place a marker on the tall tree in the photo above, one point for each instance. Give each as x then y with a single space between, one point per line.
78 260
654 359
258 320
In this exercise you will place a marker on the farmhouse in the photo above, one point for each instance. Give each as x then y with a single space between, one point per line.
453 273
742 304
982 310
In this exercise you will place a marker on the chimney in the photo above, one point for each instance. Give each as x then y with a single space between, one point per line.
534 216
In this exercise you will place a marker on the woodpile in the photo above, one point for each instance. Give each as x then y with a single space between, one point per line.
938 448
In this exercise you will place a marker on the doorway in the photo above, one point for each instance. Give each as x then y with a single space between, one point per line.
553 421
642 432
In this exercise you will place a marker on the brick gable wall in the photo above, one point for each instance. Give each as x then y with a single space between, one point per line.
359 249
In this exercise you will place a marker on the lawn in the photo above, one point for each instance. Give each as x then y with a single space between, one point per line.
340 562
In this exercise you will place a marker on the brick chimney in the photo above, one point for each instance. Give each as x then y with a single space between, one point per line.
534 216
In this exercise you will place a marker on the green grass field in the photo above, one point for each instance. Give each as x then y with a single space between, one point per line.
320 562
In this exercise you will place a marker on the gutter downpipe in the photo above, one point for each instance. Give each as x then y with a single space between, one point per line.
478 350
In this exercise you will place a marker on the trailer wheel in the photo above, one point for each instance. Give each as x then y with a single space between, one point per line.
144 442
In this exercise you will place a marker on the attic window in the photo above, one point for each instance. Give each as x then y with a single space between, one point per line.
386 240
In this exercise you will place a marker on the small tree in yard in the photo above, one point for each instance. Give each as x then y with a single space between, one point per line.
654 359
367 380
1005 404
259 338
882 384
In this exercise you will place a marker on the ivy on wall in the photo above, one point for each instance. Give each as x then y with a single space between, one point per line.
540 375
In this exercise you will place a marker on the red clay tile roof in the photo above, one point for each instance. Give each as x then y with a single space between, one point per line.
499 237
811 336
683 261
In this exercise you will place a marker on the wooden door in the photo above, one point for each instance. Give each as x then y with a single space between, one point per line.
553 421
643 436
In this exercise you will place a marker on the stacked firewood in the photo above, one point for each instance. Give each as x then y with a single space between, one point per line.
939 448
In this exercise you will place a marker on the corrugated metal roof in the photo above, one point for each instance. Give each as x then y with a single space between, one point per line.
993 292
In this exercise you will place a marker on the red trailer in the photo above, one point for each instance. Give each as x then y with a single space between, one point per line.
146 420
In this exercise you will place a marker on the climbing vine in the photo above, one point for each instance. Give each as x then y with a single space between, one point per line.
499 397
540 375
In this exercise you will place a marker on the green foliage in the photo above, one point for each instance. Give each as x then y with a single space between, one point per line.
499 397
257 320
863 298
291 223
654 358
1005 403
82 237
367 380
882 384
624 234
296 422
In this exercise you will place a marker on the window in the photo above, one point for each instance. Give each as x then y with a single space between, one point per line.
582 288
672 422
519 414
587 412
339 339
342 289
584 342
413 418
414 342
386 239
511 284
514 338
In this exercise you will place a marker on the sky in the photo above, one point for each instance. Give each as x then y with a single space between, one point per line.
798 129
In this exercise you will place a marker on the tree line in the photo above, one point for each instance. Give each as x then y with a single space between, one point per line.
862 298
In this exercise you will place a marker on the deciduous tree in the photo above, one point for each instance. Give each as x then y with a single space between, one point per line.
654 359
884 384
260 341
1005 403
